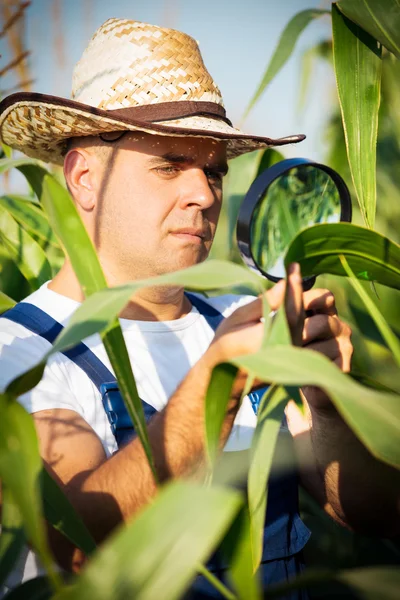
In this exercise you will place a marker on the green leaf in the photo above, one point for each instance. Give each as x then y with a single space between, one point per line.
33 589
370 583
24 251
60 513
7 150
156 556
31 217
237 549
100 309
391 340
373 416
269 419
68 226
12 536
358 67
371 256
20 465
381 20
5 302
10 163
284 49
217 399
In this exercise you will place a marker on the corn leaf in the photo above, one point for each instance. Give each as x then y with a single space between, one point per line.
24 250
217 398
393 343
373 416
358 67
33 589
370 583
5 302
284 49
20 466
156 556
65 221
381 20
270 415
59 512
237 549
12 536
31 217
371 256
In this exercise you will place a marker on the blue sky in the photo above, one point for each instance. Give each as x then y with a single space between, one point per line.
236 38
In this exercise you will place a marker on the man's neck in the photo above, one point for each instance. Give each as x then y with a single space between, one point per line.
148 304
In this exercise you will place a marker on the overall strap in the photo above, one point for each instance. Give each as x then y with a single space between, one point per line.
214 318
39 322
211 314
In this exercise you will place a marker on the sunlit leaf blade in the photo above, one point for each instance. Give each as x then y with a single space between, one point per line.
371 256
381 20
98 312
12 536
20 465
217 399
358 67
33 589
68 226
269 419
373 416
5 302
23 250
108 303
59 512
30 217
237 549
7 150
390 338
284 49
157 555
9 163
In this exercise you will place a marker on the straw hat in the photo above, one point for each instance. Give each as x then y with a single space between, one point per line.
132 76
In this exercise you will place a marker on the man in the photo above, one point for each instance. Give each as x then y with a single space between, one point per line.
147 149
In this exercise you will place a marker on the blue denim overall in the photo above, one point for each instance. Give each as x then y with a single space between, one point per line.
284 535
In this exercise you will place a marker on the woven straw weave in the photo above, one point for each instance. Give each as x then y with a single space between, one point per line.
127 64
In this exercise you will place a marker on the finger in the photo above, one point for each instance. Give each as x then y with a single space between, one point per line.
253 311
294 303
329 348
320 301
321 327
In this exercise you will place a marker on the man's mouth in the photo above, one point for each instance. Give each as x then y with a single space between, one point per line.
190 234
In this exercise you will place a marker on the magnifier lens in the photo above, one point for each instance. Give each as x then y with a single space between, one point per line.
300 197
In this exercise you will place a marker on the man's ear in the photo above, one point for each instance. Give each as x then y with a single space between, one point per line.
78 173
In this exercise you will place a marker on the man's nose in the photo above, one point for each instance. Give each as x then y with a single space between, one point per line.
196 190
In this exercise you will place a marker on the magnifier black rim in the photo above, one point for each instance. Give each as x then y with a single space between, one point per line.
257 191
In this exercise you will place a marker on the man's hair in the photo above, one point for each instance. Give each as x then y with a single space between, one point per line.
101 146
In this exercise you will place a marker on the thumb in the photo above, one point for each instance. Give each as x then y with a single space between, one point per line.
276 295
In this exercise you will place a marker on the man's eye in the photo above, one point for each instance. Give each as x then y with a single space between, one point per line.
215 176
167 170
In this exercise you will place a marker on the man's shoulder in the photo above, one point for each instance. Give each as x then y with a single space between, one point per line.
20 348
226 304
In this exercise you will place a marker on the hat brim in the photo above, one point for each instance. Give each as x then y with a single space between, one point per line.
39 125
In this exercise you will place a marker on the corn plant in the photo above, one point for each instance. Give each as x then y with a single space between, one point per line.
187 520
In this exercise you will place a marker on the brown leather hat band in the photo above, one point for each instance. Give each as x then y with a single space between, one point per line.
169 111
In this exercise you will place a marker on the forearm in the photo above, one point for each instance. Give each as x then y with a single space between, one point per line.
124 483
354 487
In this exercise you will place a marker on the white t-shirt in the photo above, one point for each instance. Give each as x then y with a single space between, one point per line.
161 353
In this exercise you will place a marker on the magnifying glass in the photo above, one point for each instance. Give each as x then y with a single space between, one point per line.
285 199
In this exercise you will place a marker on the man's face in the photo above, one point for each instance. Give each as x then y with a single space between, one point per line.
158 204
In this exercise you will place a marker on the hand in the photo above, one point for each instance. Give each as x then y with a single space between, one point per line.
324 332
